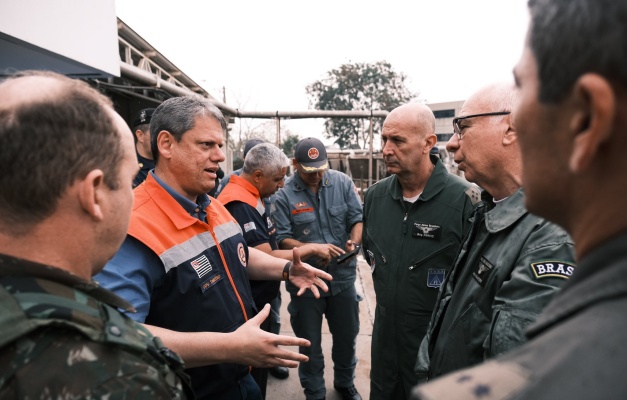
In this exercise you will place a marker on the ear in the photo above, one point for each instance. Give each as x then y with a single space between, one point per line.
257 175
510 137
90 193
139 134
165 140
593 121
431 141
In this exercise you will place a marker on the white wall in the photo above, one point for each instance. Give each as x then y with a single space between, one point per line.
82 30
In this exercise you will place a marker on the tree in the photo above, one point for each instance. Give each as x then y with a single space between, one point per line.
358 86
288 143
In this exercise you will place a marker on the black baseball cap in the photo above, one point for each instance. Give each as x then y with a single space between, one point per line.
143 117
250 144
311 155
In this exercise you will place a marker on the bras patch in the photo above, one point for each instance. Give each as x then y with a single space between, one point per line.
554 269
482 271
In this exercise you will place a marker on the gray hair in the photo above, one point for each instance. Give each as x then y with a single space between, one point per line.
267 158
570 38
178 115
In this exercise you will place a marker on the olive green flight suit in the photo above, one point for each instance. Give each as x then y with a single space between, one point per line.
410 247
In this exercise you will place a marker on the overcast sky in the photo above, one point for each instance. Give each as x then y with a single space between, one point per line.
266 52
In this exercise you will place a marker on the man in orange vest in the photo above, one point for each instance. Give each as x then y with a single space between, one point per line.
185 264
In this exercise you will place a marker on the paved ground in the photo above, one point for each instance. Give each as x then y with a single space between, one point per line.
290 388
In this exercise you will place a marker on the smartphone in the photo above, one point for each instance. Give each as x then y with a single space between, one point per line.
348 255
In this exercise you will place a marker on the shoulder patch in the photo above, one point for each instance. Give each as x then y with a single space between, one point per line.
554 269
474 193
489 381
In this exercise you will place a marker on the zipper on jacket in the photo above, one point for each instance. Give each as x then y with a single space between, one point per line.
416 264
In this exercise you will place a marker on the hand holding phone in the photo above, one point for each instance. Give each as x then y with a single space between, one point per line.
341 259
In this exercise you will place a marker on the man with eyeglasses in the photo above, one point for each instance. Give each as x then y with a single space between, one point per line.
511 263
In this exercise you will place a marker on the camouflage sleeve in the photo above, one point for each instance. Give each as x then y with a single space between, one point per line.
63 364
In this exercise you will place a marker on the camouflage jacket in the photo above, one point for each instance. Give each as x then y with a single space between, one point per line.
62 337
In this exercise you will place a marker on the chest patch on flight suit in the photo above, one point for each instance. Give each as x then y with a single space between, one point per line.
426 231
210 282
202 266
482 271
435 277
555 269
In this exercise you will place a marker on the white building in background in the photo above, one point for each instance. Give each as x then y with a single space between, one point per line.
444 114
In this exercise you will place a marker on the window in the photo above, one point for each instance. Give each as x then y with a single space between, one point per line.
444 113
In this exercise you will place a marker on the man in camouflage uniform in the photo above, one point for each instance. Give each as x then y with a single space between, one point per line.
65 205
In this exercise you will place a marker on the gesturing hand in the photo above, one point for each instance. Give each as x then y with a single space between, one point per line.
304 276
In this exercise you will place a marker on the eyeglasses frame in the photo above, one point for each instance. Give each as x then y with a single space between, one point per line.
457 129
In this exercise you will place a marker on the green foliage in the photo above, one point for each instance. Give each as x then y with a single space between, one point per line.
362 87
288 144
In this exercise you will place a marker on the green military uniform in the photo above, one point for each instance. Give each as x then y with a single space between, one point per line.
62 337
409 248
510 266
576 348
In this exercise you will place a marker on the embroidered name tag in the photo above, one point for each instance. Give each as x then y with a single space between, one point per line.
210 282
482 271
555 269
435 277
202 266
302 210
426 231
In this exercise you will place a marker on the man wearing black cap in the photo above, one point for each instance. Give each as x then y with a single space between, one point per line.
318 205
141 129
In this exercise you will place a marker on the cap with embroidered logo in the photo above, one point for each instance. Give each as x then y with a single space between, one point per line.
143 117
311 155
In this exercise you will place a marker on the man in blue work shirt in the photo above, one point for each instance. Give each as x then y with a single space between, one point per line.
318 205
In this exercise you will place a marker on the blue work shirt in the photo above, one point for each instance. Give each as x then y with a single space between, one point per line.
325 217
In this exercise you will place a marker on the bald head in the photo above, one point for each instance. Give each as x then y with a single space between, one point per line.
500 96
408 135
53 130
43 87
414 116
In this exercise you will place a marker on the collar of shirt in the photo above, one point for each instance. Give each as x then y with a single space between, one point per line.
506 212
299 184
196 210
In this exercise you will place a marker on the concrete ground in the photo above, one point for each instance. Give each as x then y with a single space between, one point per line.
290 388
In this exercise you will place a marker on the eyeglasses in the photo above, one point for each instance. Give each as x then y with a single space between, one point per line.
458 129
